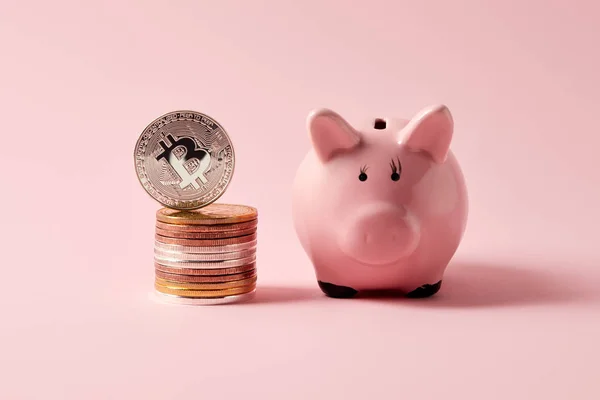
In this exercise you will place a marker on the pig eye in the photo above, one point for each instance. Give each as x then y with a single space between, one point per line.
363 174
396 169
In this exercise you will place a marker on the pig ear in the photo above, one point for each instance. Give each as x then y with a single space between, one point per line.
330 134
430 131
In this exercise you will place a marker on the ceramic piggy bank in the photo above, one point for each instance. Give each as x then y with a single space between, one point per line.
382 206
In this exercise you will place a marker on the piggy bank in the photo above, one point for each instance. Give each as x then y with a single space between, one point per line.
381 206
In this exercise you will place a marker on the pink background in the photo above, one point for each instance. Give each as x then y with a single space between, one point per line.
519 314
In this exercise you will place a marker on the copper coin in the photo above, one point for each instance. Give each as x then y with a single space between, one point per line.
206 272
205 279
173 248
206 242
212 214
175 263
204 285
204 235
205 293
208 228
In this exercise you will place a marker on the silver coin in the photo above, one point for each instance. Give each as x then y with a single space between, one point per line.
204 257
184 160
191 301
173 262
174 248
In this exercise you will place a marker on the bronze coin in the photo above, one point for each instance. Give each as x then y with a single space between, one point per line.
207 228
206 272
205 278
206 242
204 235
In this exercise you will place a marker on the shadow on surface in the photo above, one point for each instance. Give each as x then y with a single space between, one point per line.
470 284
285 294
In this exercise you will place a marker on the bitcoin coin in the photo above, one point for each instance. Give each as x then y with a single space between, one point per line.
184 159
212 214
205 285
195 301
205 272
204 278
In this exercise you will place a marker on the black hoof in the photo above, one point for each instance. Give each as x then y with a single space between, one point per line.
425 291
339 292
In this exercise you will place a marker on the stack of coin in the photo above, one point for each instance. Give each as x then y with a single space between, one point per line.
206 256
204 253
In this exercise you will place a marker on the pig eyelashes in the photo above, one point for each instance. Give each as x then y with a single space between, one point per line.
396 169
363 173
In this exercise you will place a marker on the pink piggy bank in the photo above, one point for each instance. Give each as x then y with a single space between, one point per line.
383 207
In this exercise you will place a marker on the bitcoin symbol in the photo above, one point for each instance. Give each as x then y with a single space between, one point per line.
178 161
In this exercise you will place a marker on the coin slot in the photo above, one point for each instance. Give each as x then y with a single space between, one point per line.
380 124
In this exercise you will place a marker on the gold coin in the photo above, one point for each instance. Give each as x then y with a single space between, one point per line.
204 286
212 214
205 293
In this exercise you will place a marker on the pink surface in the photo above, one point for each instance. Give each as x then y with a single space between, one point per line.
518 315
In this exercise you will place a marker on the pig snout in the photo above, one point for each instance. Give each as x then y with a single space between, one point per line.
379 233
